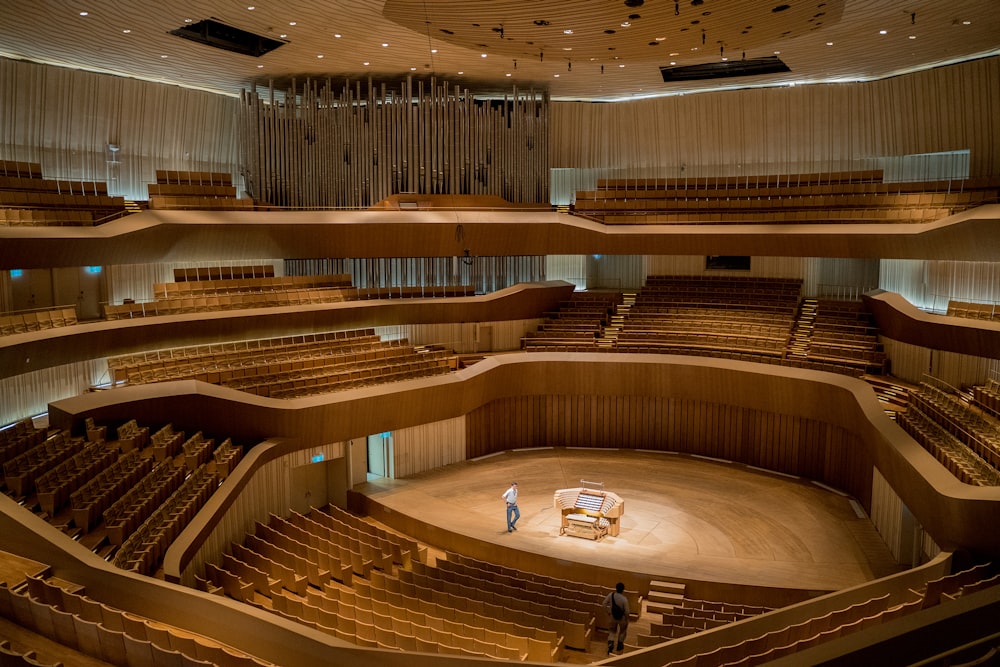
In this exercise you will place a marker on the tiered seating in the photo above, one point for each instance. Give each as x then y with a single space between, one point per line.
28 199
235 294
414 292
90 500
226 456
126 514
692 616
706 315
21 471
195 190
18 438
288 367
143 550
963 440
844 333
987 397
37 320
202 273
63 613
550 612
55 486
974 311
576 325
850 197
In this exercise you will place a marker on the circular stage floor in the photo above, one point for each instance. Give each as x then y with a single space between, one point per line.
685 517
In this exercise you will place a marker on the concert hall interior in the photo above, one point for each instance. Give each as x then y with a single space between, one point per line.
290 293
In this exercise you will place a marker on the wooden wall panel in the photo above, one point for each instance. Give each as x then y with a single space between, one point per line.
775 441
420 448
802 129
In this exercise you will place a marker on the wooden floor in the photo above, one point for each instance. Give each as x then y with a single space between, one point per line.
685 517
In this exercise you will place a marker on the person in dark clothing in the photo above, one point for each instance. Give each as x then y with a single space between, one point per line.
616 604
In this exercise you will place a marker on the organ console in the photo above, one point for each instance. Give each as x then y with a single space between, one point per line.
589 513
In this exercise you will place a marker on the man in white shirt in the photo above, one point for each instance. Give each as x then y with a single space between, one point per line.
510 495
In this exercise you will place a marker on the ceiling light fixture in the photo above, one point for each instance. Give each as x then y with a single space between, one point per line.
567 32
883 32
283 35
337 35
913 36
126 31
292 23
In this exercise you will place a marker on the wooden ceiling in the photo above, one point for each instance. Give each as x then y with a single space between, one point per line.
575 49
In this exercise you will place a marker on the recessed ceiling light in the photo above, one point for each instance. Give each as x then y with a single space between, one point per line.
966 22
883 32
251 8
337 35
508 74
567 32
163 56
626 24
385 44
260 67
319 55
829 43
674 53
84 13
913 36
366 63
413 69
126 31
660 39
556 76
694 48
187 20
777 53
461 72
567 48
291 23
283 35
434 50
724 58
673 62
482 55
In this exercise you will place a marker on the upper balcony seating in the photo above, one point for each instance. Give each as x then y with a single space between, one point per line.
37 320
195 190
974 311
849 197
28 199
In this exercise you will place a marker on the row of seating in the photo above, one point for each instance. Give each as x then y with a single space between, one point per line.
796 216
947 449
143 550
987 397
220 302
11 657
223 272
219 286
200 203
40 217
355 523
171 176
124 516
21 471
977 432
974 311
55 486
77 621
703 201
20 169
580 590
19 437
90 500
191 359
52 186
745 181
37 320
97 203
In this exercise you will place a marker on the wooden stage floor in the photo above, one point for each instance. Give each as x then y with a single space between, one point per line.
685 517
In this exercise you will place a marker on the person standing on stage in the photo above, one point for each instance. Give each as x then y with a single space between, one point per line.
616 604
510 495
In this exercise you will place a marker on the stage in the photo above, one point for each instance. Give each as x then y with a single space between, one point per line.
685 518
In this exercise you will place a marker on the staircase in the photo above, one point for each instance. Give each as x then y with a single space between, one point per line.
132 207
609 334
664 596
805 322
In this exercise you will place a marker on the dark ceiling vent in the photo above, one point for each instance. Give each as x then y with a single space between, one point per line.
724 70
215 33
